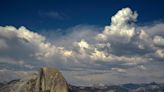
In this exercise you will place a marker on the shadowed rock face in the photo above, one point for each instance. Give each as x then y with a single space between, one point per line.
48 80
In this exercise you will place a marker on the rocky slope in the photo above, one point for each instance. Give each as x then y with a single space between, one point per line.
47 80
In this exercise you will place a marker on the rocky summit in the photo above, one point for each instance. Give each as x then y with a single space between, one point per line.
47 80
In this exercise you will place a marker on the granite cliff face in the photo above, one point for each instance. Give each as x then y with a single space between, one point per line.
47 80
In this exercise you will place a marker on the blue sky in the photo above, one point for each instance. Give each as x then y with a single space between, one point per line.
53 14
90 42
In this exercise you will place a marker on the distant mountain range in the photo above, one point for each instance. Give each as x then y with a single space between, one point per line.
144 87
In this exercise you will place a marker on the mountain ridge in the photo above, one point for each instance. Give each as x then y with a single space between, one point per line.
51 80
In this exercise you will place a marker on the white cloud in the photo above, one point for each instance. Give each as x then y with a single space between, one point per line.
121 28
119 49
158 40
154 29
160 53
118 69
24 45
83 44
142 67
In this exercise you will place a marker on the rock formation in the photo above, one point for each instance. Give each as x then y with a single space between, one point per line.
47 80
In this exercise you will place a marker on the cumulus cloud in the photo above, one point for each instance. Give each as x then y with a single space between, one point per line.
26 46
121 49
158 40
160 53
154 29
121 27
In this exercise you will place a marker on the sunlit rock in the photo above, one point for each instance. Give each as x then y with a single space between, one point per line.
47 80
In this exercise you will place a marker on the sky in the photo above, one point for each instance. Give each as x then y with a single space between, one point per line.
53 14
89 41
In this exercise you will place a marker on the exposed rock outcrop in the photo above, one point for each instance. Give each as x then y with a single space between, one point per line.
47 80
